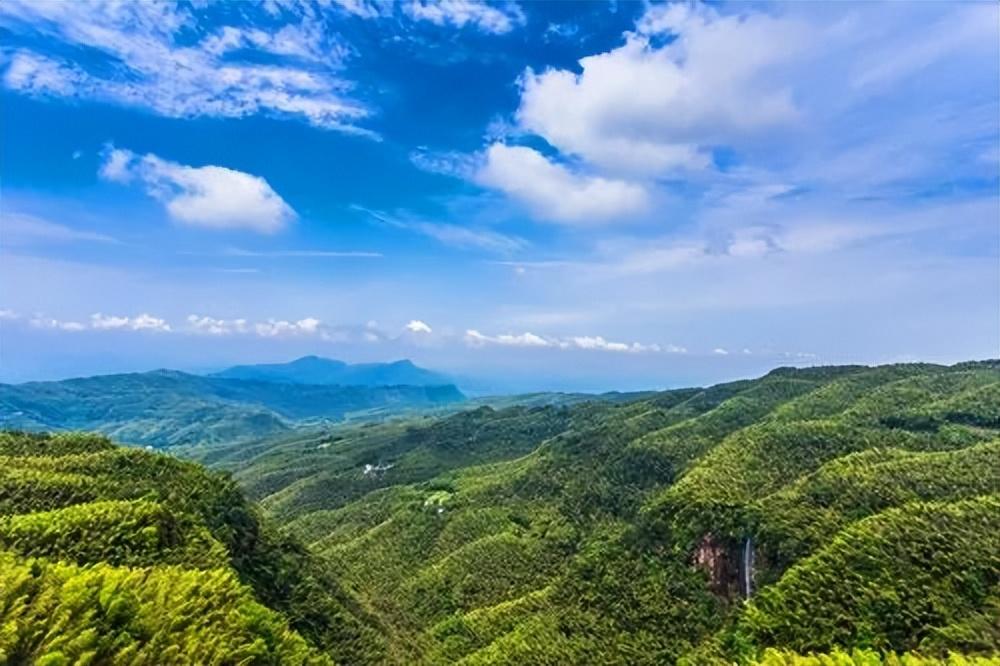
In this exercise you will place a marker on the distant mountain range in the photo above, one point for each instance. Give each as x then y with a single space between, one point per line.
168 408
317 370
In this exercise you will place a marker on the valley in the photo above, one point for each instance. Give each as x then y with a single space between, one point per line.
843 511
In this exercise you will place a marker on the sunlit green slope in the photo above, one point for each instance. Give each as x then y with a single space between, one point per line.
856 507
120 556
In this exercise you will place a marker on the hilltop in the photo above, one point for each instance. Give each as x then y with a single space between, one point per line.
318 370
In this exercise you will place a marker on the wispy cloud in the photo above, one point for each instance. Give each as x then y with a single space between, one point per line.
23 229
496 19
452 235
148 61
303 254
487 18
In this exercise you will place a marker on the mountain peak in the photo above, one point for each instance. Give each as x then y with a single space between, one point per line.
318 370
312 359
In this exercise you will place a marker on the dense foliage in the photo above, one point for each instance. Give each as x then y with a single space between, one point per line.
857 506
844 516
120 556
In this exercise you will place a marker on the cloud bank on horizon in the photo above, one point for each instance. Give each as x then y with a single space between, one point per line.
501 182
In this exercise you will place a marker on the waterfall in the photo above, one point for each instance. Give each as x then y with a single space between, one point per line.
747 567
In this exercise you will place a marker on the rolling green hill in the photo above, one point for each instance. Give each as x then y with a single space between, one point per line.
120 556
838 516
844 512
168 408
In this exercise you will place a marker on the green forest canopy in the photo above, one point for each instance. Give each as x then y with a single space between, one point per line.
845 515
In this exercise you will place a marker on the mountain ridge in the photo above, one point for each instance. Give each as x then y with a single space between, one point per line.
319 370
170 407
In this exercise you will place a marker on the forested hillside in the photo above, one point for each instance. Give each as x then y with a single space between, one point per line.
850 512
168 408
111 555
845 516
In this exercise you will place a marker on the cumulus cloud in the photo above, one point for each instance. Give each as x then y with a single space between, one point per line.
554 192
417 326
208 196
212 326
708 83
269 328
279 327
157 67
597 342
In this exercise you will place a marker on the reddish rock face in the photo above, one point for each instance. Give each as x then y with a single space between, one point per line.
721 561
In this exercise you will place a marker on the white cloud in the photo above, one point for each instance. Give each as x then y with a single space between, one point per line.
118 166
459 13
142 322
22 229
208 196
305 254
968 27
97 322
146 60
39 321
720 351
35 74
706 85
365 8
474 338
464 237
555 193
561 31
417 326
307 327
213 326
453 235
278 328
598 342
447 163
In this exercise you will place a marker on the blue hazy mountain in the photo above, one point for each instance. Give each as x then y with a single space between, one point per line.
166 407
318 370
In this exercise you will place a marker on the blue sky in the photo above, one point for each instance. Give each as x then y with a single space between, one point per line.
550 195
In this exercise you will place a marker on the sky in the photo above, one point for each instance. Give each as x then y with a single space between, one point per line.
588 196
